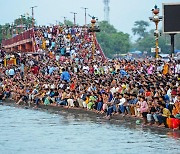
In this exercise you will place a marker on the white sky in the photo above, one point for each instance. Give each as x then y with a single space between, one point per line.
123 13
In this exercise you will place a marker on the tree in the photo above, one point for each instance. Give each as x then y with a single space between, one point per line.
69 23
23 20
148 42
177 40
106 27
112 41
8 29
140 28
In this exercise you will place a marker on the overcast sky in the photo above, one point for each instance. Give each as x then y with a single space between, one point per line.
123 13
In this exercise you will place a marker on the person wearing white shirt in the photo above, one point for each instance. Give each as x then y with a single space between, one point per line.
49 35
53 86
86 69
7 72
47 43
106 69
169 93
46 86
11 72
57 57
177 68
95 66
121 104
113 90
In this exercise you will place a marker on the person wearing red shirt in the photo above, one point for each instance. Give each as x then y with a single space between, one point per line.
35 69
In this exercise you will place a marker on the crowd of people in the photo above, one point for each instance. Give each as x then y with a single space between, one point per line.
64 73
73 41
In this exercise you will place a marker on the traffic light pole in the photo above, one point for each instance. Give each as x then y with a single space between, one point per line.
33 20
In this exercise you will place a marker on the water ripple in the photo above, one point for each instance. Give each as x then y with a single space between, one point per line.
31 131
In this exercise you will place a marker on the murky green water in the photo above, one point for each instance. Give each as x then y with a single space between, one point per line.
29 132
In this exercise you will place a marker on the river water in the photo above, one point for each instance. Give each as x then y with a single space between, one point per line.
25 131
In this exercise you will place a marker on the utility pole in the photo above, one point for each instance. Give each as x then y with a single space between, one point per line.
32 8
12 29
21 23
57 21
2 33
85 9
64 19
74 17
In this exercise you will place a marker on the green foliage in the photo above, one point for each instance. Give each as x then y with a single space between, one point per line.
146 43
107 28
177 41
8 29
69 23
66 22
23 20
112 41
140 28
146 40
1 33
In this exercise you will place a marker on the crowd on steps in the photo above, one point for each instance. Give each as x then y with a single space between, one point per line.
64 73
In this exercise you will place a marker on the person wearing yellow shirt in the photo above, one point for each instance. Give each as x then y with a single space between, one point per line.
162 117
166 69
176 108
166 113
86 102
43 44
